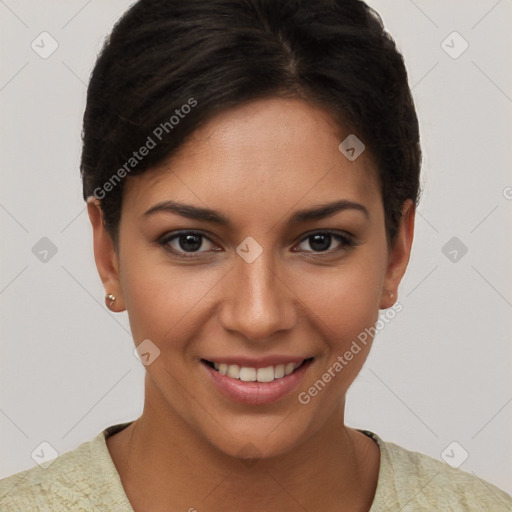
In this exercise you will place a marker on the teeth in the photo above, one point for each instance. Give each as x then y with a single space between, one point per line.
233 371
289 368
265 374
279 371
248 374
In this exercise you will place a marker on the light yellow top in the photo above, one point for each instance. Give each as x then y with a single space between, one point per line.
85 479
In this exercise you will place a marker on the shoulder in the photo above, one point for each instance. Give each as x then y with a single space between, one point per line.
83 479
414 481
50 487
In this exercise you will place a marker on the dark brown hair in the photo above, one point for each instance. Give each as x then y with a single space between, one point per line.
170 65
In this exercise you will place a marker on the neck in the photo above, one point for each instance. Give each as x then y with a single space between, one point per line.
165 465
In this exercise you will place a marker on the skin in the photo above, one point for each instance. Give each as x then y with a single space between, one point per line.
257 164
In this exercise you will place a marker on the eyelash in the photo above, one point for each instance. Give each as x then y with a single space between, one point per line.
346 242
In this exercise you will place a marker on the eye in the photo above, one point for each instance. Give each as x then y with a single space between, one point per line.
186 242
191 242
321 241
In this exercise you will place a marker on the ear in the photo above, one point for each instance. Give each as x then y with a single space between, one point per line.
105 256
399 255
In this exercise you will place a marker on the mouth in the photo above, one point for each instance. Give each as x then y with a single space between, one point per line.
259 380
253 374
261 383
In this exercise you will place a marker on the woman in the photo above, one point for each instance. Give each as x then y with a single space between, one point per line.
251 171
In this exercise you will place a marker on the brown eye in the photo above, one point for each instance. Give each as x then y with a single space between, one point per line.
322 241
186 242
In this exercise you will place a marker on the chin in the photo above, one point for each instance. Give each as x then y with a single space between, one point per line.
254 436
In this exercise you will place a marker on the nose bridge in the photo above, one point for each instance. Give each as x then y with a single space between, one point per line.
256 303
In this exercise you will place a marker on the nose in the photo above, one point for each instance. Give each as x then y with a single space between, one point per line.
257 300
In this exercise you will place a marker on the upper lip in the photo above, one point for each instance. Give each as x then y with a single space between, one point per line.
262 362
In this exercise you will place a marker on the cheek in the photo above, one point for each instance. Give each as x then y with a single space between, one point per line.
162 299
343 306
344 299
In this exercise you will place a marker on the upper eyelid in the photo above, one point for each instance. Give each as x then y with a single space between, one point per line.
172 235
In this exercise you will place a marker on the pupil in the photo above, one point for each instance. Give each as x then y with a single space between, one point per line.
190 242
322 241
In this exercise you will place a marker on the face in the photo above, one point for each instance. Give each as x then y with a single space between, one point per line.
231 265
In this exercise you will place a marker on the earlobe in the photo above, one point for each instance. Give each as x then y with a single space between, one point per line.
399 255
105 257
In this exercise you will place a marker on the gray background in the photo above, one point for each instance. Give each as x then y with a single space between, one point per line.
438 373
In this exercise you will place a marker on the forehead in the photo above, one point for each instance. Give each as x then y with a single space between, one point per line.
279 152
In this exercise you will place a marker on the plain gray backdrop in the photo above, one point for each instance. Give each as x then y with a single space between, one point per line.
438 374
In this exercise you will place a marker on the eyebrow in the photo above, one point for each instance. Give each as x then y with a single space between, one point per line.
194 212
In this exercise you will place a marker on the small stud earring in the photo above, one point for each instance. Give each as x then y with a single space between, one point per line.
110 298
391 295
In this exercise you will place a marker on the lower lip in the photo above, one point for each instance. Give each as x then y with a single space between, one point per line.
256 393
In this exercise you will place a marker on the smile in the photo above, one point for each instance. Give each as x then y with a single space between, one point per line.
250 374
256 383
